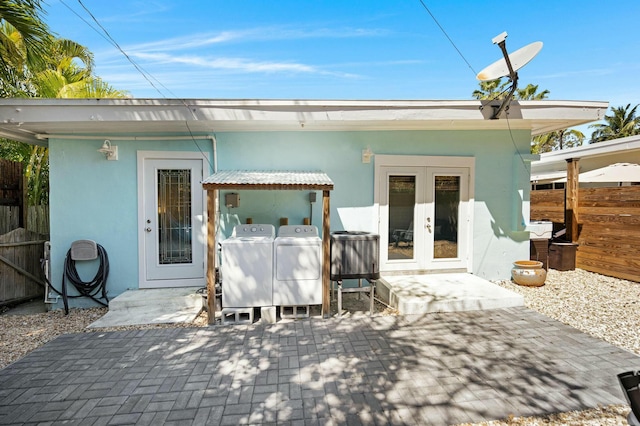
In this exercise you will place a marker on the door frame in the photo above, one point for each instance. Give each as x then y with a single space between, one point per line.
382 163
143 280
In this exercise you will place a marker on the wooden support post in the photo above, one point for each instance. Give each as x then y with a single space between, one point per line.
326 256
571 200
23 203
212 198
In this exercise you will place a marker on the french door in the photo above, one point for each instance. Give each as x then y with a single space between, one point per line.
172 222
425 217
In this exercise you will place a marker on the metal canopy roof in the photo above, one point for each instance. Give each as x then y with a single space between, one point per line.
255 179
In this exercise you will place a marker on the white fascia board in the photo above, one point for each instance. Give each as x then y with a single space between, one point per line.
63 116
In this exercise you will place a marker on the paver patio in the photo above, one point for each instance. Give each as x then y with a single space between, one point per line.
437 369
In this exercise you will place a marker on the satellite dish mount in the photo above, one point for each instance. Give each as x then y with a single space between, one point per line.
508 66
501 41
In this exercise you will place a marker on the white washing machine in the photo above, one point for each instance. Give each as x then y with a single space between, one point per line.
297 271
247 267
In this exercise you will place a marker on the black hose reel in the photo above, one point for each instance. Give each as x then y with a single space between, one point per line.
96 289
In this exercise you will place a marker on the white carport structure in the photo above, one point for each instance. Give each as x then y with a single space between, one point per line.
618 172
588 164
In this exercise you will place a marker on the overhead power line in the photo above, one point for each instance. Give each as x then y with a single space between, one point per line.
104 33
447 36
142 72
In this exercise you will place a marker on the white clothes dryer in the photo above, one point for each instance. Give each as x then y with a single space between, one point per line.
297 271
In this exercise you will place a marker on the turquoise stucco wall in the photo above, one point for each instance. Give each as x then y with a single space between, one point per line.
92 198
501 181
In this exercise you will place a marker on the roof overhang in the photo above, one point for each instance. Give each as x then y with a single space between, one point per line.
37 120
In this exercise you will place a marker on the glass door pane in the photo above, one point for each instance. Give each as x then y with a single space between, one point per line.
174 217
402 200
445 226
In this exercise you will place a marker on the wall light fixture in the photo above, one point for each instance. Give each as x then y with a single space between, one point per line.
110 152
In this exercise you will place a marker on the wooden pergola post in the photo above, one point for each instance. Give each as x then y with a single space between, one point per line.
212 198
571 200
326 261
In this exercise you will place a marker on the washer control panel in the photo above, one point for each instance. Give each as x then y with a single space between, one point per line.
299 231
254 230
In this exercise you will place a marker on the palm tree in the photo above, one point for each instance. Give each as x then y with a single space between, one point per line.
67 73
497 89
23 38
621 124
66 62
530 93
64 71
494 89
556 140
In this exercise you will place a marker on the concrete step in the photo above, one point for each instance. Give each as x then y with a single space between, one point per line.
152 306
168 297
455 292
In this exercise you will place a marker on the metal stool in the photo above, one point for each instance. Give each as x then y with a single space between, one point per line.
371 289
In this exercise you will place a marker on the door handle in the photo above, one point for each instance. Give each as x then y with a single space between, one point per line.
148 229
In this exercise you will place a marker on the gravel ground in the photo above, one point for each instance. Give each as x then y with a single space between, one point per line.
601 306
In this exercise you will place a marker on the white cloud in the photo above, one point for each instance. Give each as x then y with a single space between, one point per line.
198 40
182 43
235 64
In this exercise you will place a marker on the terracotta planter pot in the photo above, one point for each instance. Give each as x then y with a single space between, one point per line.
528 273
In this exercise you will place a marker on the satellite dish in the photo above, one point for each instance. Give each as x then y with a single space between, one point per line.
508 66
518 59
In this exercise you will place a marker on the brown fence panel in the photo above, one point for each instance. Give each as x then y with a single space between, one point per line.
11 196
548 205
609 224
9 218
22 249
37 219
609 221
10 183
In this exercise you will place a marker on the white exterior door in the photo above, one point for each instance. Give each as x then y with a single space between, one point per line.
172 236
425 210
447 218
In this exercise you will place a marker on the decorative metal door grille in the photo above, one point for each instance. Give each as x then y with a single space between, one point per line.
174 216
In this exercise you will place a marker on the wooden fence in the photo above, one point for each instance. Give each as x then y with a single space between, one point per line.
37 219
608 227
12 189
20 276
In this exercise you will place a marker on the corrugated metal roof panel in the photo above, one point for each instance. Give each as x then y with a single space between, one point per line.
269 178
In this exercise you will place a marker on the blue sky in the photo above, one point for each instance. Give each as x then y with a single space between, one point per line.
342 49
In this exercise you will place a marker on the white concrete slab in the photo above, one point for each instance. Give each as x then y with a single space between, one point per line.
152 306
456 292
